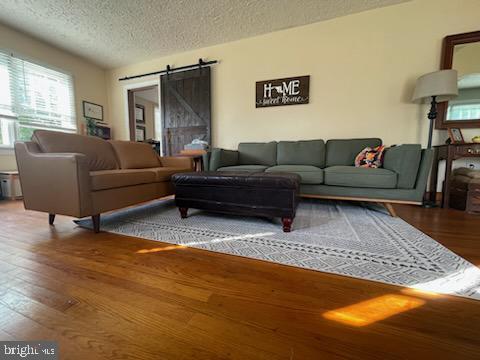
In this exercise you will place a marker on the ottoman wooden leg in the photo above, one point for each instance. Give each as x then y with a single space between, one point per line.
183 212
287 224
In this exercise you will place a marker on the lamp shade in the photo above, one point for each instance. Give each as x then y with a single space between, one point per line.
443 84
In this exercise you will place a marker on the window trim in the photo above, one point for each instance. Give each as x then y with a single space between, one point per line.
20 56
6 150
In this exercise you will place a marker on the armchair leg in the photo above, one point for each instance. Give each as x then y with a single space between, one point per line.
96 223
51 219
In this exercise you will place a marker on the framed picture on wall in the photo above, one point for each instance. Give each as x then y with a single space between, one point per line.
139 114
140 134
92 111
456 135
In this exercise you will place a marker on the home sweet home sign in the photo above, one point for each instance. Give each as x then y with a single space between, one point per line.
278 92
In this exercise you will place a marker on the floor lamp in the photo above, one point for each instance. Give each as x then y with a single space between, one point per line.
436 87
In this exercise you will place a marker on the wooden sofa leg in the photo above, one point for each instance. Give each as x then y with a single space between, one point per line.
390 209
96 223
51 219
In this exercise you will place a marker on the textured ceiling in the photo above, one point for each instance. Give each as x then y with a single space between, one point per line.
112 33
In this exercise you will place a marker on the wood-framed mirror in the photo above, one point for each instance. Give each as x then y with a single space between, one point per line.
462 53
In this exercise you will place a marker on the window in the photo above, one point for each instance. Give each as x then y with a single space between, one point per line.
463 110
33 97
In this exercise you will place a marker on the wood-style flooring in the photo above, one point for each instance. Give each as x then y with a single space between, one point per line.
105 296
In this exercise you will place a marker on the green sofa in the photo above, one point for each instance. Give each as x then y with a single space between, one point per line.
327 169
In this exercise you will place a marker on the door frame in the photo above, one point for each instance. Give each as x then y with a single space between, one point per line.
128 91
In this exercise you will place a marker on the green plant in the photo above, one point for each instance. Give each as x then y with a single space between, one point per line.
90 126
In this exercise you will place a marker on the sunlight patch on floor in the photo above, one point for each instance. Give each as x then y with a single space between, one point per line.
373 310
212 241
422 293
460 281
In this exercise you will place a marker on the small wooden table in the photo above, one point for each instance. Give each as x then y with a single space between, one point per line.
449 153
196 156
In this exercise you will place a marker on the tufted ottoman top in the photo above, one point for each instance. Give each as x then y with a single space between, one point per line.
239 178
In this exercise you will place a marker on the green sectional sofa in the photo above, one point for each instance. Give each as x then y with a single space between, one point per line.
327 169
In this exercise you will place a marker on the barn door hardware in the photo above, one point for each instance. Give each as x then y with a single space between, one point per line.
170 70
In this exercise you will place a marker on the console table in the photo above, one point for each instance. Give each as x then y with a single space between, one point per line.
449 153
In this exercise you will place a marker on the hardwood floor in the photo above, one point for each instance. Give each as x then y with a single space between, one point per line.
105 296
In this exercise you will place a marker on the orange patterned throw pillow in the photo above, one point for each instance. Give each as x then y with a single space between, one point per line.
370 157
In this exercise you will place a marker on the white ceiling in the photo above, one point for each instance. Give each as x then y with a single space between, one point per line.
113 33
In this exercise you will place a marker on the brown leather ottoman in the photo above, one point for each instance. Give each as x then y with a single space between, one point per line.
244 193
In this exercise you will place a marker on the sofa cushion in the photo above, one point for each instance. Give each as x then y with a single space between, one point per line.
308 152
135 155
308 174
99 153
255 168
343 152
257 153
165 173
360 177
220 158
110 179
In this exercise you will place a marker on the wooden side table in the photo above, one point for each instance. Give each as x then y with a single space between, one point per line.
449 153
196 156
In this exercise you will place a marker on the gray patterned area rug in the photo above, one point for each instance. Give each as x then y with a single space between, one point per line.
334 237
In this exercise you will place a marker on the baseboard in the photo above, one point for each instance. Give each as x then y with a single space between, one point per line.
351 198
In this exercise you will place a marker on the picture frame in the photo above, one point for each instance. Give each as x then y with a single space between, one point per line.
103 132
139 114
455 135
92 111
140 133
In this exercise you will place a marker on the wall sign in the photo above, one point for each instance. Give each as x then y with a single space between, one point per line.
278 92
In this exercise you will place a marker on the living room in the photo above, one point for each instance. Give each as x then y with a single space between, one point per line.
160 203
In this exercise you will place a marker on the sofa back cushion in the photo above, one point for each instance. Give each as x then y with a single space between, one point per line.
305 152
99 153
343 152
135 155
257 153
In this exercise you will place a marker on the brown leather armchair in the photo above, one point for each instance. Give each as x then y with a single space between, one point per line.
81 176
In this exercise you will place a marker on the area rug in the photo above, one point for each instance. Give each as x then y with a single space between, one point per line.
333 237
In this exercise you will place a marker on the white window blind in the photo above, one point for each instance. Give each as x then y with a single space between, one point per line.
33 97
463 110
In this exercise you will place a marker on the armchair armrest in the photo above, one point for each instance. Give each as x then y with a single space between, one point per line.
405 161
57 183
221 157
182 162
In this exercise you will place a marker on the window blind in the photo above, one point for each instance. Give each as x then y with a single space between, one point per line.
36 96
463 110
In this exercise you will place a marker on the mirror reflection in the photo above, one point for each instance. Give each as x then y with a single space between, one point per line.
466 60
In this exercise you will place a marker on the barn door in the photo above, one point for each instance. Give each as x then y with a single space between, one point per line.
185 108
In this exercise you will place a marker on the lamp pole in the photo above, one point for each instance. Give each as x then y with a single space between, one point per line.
432 115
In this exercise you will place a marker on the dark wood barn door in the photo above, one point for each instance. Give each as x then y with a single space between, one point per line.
185 108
